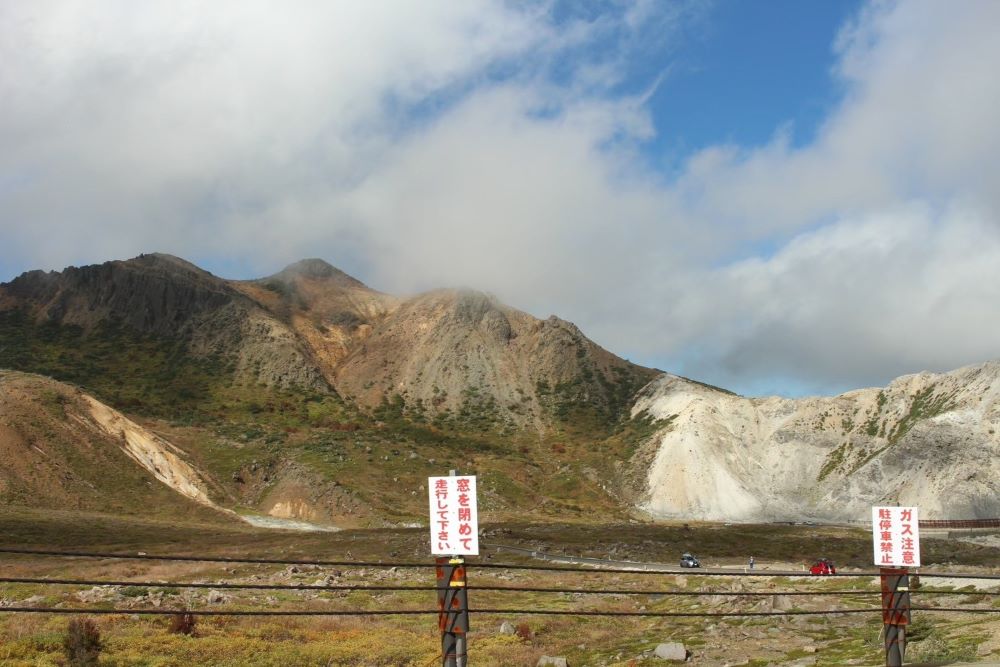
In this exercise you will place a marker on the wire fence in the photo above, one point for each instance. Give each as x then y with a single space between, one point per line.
473 587
595 569
851 594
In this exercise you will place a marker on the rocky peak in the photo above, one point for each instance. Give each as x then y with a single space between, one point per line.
151 293
316 269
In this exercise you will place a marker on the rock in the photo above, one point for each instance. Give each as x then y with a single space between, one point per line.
292 570
549 661
809 649
95 594
507 628
671 651
33 600
216 597
781 602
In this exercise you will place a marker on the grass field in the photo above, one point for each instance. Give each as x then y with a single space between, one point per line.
28 639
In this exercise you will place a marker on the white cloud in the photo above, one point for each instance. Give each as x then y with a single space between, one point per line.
487 144
853 303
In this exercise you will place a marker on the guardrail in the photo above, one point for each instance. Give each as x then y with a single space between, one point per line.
960 523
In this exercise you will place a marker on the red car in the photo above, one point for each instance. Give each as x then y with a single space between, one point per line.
823 566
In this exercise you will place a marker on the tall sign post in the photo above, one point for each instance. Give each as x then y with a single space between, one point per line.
454 534
896 546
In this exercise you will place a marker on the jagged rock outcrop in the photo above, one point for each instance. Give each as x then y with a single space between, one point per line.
927 440
170 299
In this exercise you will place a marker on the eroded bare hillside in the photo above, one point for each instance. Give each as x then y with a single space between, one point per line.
462 354
927 440
62 449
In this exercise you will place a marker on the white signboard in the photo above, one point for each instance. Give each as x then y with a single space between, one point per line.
454 516
896 536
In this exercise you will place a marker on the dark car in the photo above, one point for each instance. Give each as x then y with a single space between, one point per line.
687 560
823 566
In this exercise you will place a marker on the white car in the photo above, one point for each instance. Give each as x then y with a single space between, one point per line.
687 560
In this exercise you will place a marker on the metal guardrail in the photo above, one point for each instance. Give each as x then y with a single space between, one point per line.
941 523
960 523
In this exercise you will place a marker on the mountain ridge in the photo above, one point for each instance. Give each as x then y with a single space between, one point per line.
314 327
309 395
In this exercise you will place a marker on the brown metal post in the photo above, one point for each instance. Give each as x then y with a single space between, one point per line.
453 610
895 613
461 638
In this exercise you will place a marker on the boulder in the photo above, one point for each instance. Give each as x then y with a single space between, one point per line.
95 594
549 661
507 628
781 602
216 597
671 651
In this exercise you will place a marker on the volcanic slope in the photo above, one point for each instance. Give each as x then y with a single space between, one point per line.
62 449
453 357
157 335
927 440
154 334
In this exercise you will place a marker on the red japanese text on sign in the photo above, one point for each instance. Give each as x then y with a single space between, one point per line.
454 516
896 536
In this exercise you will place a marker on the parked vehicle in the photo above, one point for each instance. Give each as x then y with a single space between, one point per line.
687 560
823 566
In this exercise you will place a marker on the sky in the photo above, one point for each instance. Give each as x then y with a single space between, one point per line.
776 197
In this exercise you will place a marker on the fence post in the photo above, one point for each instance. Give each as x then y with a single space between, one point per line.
895 613
453 610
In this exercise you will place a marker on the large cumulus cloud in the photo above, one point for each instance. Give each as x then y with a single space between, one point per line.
495 145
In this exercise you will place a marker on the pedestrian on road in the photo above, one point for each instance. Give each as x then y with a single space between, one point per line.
751 562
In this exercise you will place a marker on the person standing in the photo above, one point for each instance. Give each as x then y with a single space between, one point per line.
751 562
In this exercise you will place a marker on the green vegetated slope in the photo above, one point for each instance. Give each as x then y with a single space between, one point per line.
287 441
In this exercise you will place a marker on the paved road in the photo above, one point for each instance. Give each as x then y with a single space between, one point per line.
634 565
665 568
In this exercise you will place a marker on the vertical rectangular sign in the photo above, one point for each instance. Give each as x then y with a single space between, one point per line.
896 536
454 516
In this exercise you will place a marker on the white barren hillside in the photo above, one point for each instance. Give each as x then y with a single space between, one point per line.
927 440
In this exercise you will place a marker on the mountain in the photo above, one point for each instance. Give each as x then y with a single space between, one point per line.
462 357
927 440
155 334
309 395
175 331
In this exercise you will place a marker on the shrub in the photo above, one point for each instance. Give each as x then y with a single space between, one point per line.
82 643
524 632
182 624
134 591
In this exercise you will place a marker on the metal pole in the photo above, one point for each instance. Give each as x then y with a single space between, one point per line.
443 572
895 613
451 592
460 582
453 610
461 639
